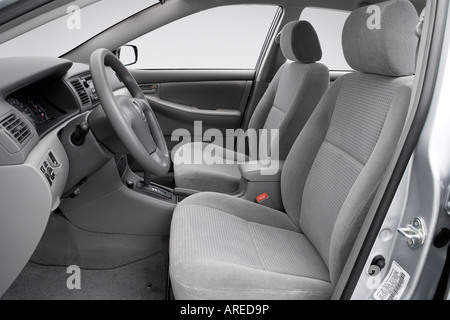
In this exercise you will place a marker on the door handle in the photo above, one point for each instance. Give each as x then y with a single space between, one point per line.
150 88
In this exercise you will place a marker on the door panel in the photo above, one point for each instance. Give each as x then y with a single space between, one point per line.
218 98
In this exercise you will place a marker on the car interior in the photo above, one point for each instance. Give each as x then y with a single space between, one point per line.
93 177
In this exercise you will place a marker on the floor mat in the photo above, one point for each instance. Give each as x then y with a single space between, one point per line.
144 279
64 244
113 266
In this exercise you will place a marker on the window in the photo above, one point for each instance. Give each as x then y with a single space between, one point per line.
329 25
54 38
229 37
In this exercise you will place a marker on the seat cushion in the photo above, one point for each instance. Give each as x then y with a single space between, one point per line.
218 175
241 250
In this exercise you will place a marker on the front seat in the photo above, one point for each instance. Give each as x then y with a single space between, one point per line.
286 105
222 247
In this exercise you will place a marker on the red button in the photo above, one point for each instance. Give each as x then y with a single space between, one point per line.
262 197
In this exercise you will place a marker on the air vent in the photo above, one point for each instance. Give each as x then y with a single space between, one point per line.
16 127
78 86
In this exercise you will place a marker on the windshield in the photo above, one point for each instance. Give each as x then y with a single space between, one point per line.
59 36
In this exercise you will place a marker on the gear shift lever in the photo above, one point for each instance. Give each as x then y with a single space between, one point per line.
147 177
152 188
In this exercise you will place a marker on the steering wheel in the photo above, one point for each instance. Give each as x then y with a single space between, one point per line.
132 118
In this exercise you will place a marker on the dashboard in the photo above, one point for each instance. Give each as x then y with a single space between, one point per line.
50 101
36 111
41 102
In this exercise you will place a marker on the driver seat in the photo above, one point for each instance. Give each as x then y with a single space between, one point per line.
286 105
223 247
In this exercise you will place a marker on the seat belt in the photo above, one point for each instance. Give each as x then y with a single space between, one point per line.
419 30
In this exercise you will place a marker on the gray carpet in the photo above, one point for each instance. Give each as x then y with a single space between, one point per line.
146 279
64 244
114 266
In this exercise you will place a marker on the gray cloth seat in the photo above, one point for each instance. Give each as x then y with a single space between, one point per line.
222 247
286 105
222 244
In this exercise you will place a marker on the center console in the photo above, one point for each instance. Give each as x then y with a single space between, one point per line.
136 183
261 183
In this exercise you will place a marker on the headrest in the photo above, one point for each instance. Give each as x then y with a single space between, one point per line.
381 38
299 42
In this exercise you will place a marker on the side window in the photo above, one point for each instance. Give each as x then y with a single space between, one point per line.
229 37
329 25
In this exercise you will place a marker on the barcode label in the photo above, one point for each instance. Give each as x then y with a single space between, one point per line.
393 285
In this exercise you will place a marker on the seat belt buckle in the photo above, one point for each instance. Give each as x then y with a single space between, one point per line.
264 199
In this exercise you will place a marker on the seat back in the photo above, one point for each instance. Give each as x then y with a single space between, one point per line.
296 88
334 168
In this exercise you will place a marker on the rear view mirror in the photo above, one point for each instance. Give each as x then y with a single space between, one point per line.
127 54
